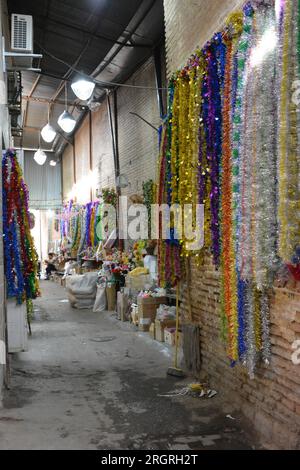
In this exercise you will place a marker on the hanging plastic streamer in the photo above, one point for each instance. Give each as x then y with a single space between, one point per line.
82 239
212 121
184 145
264 157
244 131
80 225
21 261
229 291
288 140
168 250
255 217
238 123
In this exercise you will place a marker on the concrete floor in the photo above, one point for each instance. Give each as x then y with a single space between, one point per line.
89 381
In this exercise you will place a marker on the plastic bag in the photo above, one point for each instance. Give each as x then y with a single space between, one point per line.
84 284
100 302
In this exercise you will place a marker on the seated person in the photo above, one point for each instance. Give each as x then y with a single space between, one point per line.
50 265
39 270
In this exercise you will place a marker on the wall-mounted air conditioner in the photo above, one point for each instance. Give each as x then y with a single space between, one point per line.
22 39
21 33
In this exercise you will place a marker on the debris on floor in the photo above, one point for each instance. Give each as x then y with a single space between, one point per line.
195 390
230 417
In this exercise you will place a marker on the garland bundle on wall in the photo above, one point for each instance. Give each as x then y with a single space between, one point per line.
80 226
21 261
149 199
231 142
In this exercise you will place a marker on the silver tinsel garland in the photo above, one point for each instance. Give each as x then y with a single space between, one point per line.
264 178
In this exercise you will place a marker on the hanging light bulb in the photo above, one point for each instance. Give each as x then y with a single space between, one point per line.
66 120
52 163
83 88
48 133
40 157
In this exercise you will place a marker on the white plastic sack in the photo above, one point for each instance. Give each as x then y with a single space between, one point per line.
150 262
82 284
84 304
69 266
100 303
72 299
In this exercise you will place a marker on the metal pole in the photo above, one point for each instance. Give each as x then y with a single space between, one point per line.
23 54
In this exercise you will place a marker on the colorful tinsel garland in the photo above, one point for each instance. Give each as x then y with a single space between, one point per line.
231 142
80 226
21 261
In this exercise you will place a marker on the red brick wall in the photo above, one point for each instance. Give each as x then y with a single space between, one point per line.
272 400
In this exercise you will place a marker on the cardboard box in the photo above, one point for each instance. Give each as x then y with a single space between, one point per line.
139 282
134 315
111 295
170 336
122 306
152 330
160 328
147 311
144 324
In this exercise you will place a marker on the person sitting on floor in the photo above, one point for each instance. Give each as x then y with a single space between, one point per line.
50 265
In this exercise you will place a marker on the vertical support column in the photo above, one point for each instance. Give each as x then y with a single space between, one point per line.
4 136
74 164
91 148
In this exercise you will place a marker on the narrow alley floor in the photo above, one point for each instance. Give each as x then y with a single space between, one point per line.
89 381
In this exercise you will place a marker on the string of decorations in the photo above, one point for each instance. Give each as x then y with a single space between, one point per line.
169 271
231 142
289 158
21 260
80 227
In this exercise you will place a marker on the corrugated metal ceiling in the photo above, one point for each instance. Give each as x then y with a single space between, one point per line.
105 38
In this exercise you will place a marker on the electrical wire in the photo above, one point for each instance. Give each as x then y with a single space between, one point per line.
103 84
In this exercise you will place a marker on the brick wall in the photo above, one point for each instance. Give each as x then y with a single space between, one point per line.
102 151
186 29
138 142
271 401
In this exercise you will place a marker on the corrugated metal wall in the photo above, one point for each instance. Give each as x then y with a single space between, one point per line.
44 183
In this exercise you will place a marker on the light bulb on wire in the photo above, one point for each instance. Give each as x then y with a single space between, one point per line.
66 121
48 133
39 156
83 88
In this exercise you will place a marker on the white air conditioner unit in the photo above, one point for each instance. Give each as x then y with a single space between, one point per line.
22 38
21 33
